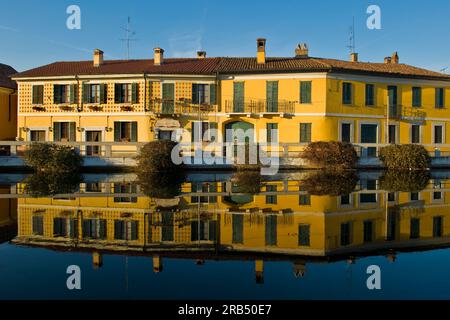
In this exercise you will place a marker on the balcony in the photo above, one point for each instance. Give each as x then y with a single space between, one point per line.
401 112
260 107
179 107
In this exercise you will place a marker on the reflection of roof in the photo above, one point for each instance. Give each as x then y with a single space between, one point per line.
5 73
230 65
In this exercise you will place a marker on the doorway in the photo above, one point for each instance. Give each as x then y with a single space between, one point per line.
93 136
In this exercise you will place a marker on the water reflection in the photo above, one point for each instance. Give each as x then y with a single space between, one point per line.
298 217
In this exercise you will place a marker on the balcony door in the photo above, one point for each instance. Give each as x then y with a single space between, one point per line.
392 96
168 96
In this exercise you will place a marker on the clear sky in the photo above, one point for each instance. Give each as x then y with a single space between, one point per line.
34 33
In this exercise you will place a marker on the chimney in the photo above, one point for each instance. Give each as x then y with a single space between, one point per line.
387 60
159 56
261 54
201 54
395 59
302 51
354 57
98 57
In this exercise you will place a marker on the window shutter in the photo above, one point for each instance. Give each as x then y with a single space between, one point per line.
305 91
56 131
38 94
134 93
194 132
212 94
134 230
56 94
103 93
195 93
86 228
238 97
102 227
73 93
117 229
214 133
272 96
134 133
73 228
72 136
117 93
35 95
86 93
117 131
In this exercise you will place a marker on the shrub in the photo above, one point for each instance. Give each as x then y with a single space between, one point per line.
248 182
43 184
51 158
161 186
407 156
156 157
331 154
404 181
331 183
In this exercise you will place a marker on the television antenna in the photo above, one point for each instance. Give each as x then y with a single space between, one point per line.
352 38
129 36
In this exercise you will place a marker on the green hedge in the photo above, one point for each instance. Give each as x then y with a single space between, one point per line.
406 156
156 157
52 158
331 154
330 183
404 181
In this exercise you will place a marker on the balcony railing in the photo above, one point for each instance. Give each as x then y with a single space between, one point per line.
402 112
260 106
171 107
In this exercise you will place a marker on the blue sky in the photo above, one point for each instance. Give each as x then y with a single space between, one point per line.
34 33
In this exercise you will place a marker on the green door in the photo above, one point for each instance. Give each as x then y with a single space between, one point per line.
238 97
238 133
272 96
168 95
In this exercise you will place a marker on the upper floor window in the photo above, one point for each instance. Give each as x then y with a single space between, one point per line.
126 230
370 95
347 93
126 93
64 93
94 93
416 97
38 94
440 97
305 92
203 93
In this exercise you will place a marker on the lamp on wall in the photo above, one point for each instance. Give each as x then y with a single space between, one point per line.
80 129
108 129
25 129
50 129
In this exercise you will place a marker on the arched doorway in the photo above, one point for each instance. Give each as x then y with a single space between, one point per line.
239 133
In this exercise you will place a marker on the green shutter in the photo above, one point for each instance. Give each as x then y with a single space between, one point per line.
73 93
272 96
305 132
346 93
168 93
72 132
56 131
305 91
56 94
103 93
38 94
117 93
86 93
212 94
134 134
195 93
417 97
439 98
134 93
238 97
270 135
116 131
134 230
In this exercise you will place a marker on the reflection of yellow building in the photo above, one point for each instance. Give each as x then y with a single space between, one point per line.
210 220
8 215
304 98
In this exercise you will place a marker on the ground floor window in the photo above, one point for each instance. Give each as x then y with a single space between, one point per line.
438 133
392 134
346 234
37 135
64 131
304 231
346 132
125 131
438 226
415 133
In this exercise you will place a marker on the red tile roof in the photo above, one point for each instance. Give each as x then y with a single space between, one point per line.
229 65
5 73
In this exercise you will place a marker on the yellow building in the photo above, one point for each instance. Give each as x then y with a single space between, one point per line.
8 104
295 99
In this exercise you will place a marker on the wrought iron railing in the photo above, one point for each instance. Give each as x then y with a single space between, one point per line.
259 106
169 107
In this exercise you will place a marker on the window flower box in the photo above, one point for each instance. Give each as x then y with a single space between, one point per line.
38 108
126 108
66 108
96 108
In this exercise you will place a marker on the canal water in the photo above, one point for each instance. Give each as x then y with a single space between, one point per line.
297 235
